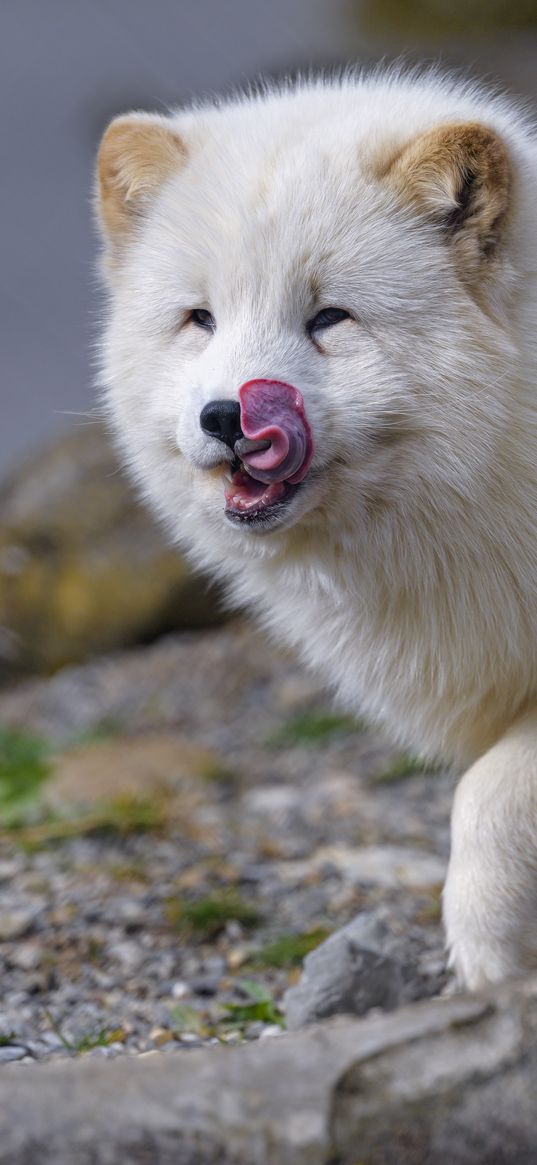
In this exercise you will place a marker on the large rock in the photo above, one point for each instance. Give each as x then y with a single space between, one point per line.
359 967
83 568
444 1082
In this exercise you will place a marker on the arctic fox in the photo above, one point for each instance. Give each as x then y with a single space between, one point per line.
321 365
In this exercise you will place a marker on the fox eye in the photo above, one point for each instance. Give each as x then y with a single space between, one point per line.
202 319
327 317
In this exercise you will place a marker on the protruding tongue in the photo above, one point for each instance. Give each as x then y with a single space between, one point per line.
274 412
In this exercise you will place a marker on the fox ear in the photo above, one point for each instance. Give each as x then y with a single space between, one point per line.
459 176
137 153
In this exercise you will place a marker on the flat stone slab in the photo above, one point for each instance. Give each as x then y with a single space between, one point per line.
445 1080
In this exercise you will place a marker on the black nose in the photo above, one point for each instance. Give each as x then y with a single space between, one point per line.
222 419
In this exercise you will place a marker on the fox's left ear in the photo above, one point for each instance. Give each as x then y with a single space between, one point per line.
459 175
137 153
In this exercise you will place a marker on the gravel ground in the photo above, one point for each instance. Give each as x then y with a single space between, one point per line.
207 820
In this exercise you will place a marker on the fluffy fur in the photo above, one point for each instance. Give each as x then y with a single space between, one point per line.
405 568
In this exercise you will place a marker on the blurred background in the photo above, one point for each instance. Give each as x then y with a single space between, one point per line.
66 68
181 806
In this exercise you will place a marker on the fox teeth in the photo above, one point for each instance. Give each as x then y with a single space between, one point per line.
243 503
231 470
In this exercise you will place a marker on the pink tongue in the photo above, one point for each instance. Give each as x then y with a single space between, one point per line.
274 411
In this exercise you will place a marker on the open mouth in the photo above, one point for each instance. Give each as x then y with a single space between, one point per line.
272 456
252 502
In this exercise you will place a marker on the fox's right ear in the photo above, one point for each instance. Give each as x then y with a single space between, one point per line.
137 153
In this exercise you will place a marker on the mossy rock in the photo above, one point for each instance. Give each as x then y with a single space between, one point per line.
83 567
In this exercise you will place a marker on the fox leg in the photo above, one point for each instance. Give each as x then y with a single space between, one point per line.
490 896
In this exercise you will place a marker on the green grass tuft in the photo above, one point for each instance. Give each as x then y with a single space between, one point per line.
100 1039
122 816
24 767
218 773
290 950
314 726
260 1009
188 1019
6 1041
207 917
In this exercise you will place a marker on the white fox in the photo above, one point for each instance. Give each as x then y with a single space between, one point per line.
321 365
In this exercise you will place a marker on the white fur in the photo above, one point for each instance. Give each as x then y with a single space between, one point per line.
407 573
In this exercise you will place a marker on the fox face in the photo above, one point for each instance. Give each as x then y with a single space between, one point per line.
308 299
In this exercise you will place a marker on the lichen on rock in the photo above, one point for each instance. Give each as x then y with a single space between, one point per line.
83 568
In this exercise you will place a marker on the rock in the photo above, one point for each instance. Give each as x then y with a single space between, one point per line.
131 914
52 1041
237 957
160 1036
438 1081
180 990
10 867
277 803
190 1039
204 985
83 568
12 1052
359 967
128 954
26 956
270 1030
15 923
387 865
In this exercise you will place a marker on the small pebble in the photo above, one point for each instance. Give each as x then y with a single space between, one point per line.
234 930
52 1040
180 989
128 954
237 957
10 867
270 1030
160 1036
26 956
15 923
205 986
11 1053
